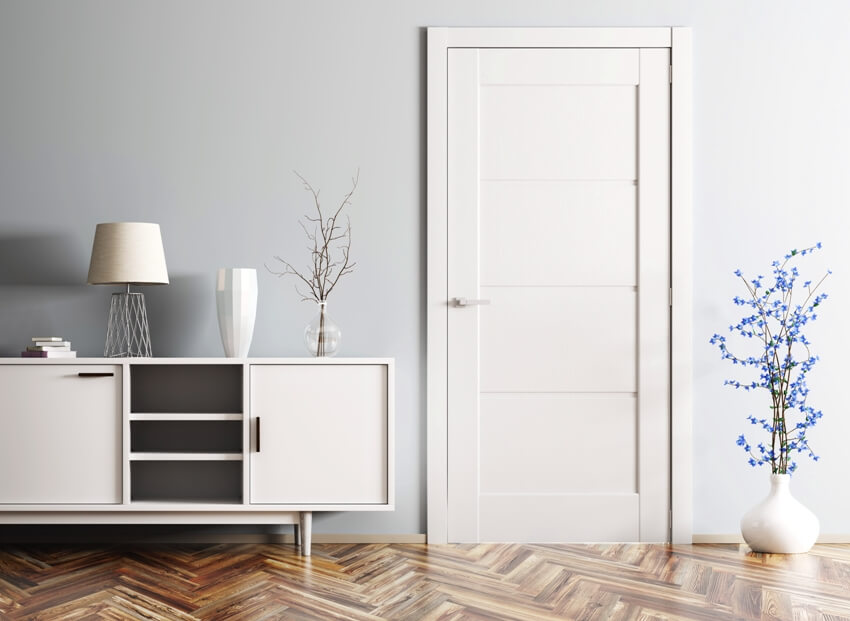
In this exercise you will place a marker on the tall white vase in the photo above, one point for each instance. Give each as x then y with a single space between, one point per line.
780 524
236 300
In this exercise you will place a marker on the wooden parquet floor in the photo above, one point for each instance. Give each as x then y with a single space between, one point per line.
418 582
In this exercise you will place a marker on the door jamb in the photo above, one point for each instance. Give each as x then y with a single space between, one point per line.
678 40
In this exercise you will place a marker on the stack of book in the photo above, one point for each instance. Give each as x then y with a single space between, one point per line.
49 347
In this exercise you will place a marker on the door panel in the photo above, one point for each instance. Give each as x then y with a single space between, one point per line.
553 339
61 434
591 128
522 221
558 214
559 66
559 517
537 443
323 433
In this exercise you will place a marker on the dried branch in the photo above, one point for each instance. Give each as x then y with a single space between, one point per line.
330 247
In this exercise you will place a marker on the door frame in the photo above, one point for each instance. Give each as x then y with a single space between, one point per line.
678 41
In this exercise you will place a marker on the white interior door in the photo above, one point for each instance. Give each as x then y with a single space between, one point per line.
558 224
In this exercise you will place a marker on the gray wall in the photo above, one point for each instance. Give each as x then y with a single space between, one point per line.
193 114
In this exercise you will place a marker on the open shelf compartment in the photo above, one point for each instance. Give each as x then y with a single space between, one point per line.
183 436
186 481
186 388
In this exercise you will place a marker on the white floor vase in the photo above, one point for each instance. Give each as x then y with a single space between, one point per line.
236 301
780 524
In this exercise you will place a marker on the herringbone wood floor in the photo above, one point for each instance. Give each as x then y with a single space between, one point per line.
596 582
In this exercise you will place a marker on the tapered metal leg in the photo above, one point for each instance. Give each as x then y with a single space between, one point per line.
306 532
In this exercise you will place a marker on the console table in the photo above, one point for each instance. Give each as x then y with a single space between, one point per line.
195 440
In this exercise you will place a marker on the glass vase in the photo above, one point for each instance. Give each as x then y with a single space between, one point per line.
322 336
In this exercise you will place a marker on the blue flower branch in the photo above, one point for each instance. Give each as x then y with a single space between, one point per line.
782 362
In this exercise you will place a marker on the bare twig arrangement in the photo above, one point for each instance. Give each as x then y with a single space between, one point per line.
330 246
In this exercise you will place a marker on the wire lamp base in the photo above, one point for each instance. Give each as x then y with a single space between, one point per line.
127 334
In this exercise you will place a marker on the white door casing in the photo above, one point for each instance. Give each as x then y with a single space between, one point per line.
547 146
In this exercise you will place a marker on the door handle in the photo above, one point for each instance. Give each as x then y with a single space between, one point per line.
458 302
258 434
106 374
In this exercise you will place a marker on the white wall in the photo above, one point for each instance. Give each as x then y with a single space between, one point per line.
192 114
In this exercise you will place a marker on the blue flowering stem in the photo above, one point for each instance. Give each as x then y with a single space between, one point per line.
778 323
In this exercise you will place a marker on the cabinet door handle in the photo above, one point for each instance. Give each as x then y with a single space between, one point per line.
258 434
105 374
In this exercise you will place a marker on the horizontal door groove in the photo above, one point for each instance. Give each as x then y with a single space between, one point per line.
557 85
621 394
631 287
562 494
625 181
541 46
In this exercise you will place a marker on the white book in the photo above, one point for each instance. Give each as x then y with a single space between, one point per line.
52 343
49 347
47 338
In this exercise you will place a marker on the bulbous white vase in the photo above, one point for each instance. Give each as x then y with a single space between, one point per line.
779 524
236 301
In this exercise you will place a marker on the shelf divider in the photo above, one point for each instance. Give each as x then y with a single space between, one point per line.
177 456
184 416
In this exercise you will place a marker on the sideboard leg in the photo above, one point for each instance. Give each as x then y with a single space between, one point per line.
306 531
296 533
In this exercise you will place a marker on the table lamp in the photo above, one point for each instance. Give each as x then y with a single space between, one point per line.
127 253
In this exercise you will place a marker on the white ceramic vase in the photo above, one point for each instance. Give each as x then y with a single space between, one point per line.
779 524
236 301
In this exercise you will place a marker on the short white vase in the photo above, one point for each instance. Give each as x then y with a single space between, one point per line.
779 524
236 301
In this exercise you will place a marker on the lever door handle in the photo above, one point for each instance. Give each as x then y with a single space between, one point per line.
469 302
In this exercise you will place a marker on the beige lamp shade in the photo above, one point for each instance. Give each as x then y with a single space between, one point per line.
127 253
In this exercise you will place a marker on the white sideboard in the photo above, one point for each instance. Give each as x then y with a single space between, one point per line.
195 440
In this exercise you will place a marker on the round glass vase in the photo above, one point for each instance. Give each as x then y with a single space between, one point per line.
322 336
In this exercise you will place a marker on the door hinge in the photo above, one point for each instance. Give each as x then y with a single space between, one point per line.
670 296
670 73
